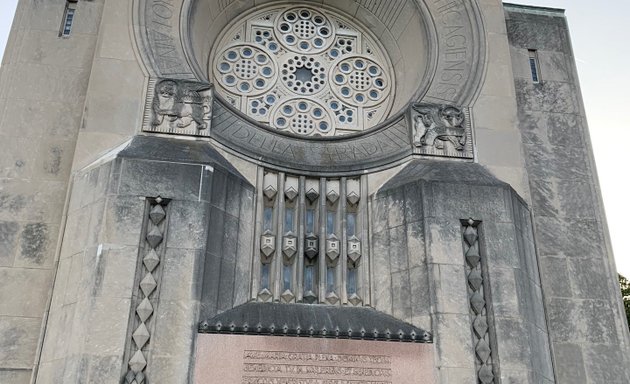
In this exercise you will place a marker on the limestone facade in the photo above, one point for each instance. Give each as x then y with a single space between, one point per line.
147 196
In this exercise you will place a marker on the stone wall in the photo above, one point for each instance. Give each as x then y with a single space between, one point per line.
43 84
589 333
420 273
101 281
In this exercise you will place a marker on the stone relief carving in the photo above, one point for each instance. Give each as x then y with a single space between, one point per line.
179 106
477 291
440 130
147 293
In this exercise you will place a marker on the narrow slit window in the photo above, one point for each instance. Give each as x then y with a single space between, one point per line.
533 65
68 19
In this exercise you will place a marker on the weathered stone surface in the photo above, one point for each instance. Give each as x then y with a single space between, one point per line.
169 180
8 242
18 340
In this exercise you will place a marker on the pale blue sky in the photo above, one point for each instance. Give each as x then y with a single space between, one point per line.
601 42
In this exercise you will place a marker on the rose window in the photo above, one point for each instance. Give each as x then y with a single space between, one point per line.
304 71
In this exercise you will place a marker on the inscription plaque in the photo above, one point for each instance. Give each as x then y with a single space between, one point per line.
235 359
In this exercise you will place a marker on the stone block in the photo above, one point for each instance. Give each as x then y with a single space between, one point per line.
401 298
577 199
61 279
233 196
555 277
513 344
25 200
499 147
515 376
116 43
216 231
8 242
589 279
228 264
17 162
394 206
179 274
379 215
107 326
569 363
581 321
64 83
444 241
450 288
18 341
569 237
448 200
188 225
37 245
152 179
505 299
500 242
75 234
243 261
56 341
457 375
453 337
15 376
175 331
112 271
21 293
415 244
123 220
555 66
413 203
491 203
399 260
74 277
104 369
381 294
75 368
50 372
605 364
53 159
54 118
420 293
219 190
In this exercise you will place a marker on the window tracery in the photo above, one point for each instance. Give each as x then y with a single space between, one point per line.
304 71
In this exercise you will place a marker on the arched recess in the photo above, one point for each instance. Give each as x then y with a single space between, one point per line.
438 48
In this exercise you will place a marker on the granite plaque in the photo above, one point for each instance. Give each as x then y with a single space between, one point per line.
235 359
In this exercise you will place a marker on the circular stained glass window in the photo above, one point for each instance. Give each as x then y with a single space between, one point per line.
304 70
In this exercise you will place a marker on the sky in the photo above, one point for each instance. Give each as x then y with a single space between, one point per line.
601 42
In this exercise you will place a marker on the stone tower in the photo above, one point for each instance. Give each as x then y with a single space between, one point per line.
348 191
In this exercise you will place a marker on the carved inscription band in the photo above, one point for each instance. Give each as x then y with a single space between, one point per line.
271 360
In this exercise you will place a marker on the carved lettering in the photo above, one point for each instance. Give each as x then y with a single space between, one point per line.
276 367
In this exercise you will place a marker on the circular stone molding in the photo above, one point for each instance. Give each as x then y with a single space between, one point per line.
326 63
427 52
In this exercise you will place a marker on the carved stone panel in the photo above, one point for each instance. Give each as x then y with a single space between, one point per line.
441 130
179 107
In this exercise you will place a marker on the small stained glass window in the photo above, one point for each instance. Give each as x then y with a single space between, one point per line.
533 65
68 19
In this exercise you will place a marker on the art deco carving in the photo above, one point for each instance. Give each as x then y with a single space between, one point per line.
179 106
304 71
322 256
441 130
148 291
478 309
